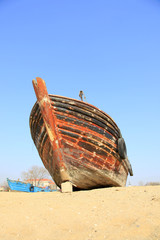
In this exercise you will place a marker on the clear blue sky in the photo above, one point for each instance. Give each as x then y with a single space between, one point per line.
108 49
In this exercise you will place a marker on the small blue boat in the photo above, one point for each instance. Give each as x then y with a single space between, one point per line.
25 187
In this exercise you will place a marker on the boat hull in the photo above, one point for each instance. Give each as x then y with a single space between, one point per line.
24 187
85 138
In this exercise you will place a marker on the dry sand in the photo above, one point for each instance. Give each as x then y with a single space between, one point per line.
110 213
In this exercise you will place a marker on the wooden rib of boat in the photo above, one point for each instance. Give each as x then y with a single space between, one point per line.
77 142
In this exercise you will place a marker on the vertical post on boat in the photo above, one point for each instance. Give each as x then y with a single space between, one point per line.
50 124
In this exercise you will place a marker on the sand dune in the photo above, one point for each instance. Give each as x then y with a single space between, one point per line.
109 213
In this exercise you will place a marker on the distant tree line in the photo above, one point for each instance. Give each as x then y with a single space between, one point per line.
152 184
149 183
34 173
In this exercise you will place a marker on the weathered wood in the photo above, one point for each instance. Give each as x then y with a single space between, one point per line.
84 149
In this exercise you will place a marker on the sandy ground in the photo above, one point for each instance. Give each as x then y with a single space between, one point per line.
110 213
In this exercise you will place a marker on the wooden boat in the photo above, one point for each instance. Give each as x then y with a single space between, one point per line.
25 187
77 142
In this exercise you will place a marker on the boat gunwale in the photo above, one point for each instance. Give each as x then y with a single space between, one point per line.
90 106
86 116
33 125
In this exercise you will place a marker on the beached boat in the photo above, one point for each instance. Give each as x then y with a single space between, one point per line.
25 187
77 142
